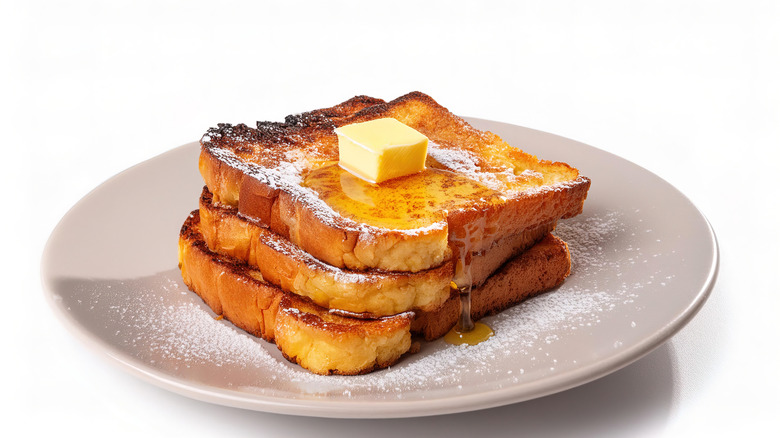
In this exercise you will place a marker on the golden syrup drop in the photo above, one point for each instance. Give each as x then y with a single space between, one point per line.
466 331
481 332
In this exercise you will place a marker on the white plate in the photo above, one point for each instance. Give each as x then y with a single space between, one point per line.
645 260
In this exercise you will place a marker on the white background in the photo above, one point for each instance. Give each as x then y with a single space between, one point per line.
686 89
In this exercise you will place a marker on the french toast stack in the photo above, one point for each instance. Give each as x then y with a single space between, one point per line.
341 274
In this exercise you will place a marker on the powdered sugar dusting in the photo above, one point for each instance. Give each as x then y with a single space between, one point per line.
157 321
523 332
464 163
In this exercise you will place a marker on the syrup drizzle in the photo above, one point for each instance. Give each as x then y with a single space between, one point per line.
407 202
413 201
466 331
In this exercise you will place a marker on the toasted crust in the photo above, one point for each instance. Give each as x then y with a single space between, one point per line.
328 343
375 293
304 332
372 292
229 288
261 172
317 338
537 270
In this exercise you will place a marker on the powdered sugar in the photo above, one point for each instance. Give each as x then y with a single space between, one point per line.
523 332
157 321
464 163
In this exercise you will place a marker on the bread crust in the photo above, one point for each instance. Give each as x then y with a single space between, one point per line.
328 343
370 292
229 288
260 170
235 290
374 293
540 269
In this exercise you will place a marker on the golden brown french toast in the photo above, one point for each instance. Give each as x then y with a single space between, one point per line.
328 342
476 189
371 292
303 331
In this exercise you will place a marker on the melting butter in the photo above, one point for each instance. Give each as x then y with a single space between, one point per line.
381 149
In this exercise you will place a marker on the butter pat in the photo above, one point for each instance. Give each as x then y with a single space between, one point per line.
381 149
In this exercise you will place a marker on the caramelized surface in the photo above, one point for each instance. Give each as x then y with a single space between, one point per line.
279 262
280 174
408 202
325 342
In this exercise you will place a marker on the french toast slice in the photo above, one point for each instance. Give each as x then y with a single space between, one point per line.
331 342
371 292
328 343
321 341
475 191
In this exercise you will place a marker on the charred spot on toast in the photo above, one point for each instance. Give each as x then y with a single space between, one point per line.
329 118
310 125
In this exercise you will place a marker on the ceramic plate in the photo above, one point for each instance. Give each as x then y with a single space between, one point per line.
644 262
